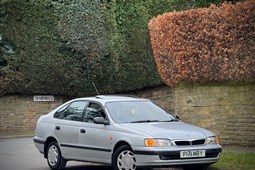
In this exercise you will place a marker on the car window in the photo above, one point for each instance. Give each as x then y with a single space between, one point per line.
71 112
137 111
93 110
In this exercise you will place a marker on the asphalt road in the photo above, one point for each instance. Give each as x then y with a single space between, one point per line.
21 154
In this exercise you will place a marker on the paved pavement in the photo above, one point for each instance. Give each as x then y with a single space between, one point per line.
21 154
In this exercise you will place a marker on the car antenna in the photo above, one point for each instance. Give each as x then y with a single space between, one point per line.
95 88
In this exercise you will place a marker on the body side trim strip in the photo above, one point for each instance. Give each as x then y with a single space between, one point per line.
39 141
85 147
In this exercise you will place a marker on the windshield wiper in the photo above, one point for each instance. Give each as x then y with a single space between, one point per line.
145 121
172 120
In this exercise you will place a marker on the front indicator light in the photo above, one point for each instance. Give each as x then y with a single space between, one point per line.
150 142
157 142
217 140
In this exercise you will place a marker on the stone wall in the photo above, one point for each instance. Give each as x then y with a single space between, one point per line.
20 113
228 111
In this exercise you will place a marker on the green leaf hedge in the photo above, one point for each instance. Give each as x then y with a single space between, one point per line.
61 46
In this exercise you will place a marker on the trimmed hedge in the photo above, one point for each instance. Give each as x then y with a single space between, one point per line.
206 44
61 46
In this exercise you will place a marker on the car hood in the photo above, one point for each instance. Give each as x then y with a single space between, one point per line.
169 130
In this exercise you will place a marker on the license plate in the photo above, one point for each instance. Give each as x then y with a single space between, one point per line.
192 154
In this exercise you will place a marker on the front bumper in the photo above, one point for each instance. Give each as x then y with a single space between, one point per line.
171 156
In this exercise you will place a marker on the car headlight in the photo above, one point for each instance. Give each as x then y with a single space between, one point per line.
157 142
212 140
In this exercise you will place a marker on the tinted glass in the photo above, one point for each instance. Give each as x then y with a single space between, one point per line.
92 111
72 112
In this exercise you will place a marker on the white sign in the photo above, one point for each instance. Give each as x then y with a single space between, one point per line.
44 98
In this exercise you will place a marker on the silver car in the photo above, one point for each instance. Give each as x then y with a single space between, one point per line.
125 132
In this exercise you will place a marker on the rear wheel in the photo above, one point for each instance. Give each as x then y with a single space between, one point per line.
54 157
124 159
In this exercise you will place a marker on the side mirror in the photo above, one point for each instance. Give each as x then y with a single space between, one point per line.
101 120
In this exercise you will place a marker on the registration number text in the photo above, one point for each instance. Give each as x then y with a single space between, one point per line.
192 154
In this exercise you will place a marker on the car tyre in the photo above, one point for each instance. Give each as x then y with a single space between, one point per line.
124 159
54 157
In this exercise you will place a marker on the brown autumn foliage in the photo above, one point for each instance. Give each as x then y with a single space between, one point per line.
205 44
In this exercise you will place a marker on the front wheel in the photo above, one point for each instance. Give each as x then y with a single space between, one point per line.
124 159
54 157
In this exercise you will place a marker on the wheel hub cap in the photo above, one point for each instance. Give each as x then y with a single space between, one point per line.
126 161
53 155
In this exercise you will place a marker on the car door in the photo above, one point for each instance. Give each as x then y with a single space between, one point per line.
94 139
67 126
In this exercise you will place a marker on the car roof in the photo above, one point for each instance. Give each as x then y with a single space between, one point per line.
112 98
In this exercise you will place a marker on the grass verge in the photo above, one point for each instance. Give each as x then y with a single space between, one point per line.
236 161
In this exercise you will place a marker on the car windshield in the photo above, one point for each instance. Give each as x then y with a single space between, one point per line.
137 112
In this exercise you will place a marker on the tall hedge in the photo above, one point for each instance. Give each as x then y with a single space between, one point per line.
206 44
61 46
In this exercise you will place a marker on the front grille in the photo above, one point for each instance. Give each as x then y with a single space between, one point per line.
192 142
182 143
198 142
